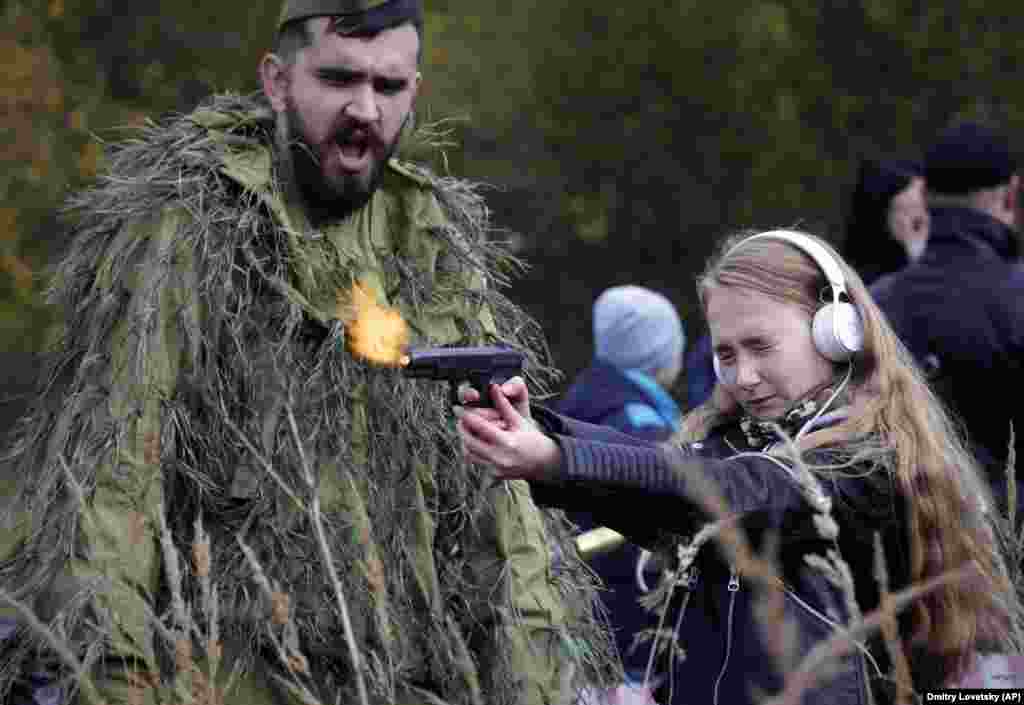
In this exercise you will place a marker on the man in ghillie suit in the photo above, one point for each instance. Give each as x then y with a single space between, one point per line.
220 502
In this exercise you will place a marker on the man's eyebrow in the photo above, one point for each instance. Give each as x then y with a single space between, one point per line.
349 73
340 72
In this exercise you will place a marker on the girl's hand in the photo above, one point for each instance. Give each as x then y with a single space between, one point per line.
504 437
514 390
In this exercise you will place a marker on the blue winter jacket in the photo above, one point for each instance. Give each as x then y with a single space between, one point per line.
627 400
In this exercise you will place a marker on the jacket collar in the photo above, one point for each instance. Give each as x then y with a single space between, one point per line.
979 229
666 407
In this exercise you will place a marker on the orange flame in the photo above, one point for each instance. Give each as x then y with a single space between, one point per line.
376 333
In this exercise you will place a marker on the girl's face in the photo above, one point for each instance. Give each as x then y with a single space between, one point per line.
767 359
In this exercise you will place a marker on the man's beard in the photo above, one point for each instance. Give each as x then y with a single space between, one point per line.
327 197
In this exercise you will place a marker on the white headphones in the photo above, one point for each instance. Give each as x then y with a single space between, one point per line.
837 329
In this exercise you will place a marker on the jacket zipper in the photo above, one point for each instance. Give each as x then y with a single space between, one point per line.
734 587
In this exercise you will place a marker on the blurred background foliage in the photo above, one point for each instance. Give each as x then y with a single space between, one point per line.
621 139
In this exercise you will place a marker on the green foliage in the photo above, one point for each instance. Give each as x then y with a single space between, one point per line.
606 124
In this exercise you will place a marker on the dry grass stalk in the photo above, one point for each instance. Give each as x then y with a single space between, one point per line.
778 632
286 645
211 611
328 559
808 674
890 631
1011 479
28 616
172 568
264 463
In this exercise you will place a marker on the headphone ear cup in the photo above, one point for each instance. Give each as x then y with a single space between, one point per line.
838 331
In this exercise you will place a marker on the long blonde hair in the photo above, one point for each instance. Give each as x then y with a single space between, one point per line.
948 505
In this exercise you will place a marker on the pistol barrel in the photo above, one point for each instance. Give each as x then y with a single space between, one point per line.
461 363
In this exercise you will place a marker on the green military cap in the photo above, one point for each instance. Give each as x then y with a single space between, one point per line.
354 15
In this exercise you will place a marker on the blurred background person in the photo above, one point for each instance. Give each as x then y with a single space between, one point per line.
887 220
638 356
960 310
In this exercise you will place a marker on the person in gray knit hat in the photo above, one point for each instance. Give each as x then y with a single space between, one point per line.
638 352
639 329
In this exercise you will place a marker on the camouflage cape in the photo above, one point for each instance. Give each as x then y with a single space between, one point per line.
200 420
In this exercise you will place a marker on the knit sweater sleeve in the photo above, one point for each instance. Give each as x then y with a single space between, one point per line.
631 485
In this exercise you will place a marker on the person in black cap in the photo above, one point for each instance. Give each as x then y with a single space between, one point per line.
210 399
960 307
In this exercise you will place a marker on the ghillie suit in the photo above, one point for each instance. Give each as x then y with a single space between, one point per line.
201 403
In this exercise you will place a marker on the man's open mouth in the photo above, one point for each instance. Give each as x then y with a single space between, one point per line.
354 149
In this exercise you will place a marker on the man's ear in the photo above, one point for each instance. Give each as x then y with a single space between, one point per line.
417 84
275 78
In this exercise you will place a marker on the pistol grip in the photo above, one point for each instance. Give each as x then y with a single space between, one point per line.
482 389
482 384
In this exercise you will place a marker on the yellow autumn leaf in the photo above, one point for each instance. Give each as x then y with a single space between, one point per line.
8 225
76 121
89 160
18 62
55 97
39 167
20 271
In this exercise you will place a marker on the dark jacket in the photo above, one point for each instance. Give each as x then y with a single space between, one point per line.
960 310
633 403
700 372
637 488
627 400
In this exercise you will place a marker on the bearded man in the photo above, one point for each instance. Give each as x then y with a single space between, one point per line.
220 502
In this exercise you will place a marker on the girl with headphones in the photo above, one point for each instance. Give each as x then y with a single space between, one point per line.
821 440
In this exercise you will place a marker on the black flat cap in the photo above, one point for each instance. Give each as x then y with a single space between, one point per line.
967 157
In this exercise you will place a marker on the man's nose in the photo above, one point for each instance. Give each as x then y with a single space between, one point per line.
363 105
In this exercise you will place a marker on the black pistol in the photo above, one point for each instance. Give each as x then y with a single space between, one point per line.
479 366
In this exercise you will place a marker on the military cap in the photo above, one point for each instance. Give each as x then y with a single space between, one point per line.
355 15
968 157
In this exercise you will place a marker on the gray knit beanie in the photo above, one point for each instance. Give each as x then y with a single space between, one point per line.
637 329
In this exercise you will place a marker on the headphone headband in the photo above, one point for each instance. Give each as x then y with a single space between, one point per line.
813 249
836 327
